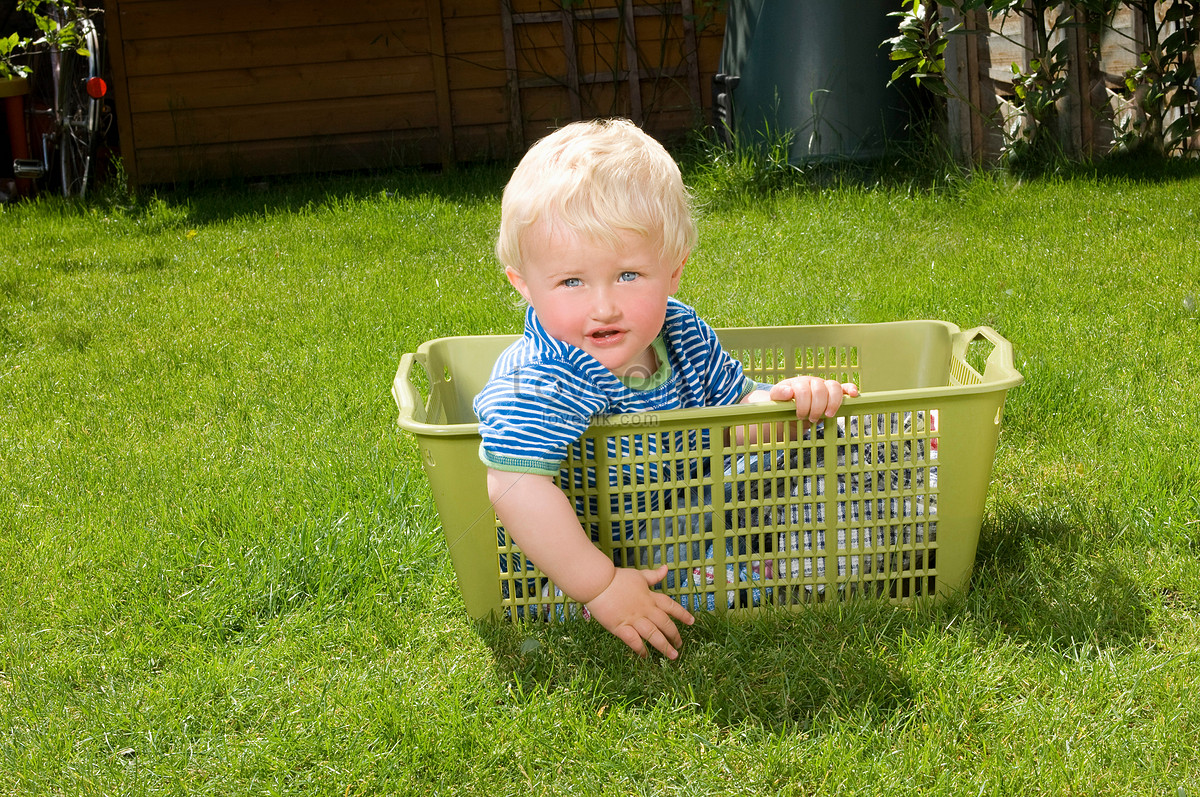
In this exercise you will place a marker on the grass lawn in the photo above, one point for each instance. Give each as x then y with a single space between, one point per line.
221 571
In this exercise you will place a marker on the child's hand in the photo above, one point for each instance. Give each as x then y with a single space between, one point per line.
815 397
632 612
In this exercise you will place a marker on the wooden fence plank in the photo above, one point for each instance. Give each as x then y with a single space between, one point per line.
359 151
515 116
489 9
251 87
478 107
243 50
601 46
441 82
690 53
180 18
543 62
284 120
660 42
116 55
545 104
632 65
483 70
535 6
571 71
473 36
482 142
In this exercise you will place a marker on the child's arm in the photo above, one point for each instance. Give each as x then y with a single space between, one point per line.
541 520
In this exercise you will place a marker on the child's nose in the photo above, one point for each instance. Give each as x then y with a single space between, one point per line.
605 306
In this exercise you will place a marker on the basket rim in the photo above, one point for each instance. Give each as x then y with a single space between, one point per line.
1005 377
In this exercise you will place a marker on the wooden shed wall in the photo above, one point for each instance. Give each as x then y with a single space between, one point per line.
253 87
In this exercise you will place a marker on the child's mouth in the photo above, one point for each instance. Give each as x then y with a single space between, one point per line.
604 335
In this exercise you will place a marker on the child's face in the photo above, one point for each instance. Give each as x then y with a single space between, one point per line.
610 303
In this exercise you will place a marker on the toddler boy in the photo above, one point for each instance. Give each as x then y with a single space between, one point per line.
595 229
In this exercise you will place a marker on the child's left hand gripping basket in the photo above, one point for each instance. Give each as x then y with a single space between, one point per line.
885 501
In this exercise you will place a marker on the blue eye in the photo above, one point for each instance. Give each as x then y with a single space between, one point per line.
572 282
627 276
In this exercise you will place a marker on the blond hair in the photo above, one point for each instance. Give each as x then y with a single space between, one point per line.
597 179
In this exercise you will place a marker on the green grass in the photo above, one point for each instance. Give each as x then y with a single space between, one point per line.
222 573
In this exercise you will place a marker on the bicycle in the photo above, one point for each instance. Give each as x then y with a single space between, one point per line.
67 115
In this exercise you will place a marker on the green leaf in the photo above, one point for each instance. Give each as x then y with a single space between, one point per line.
937 86
1177 12
1181 99
900 70
1182 128
1176 42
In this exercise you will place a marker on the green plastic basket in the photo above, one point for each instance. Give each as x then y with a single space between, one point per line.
885 501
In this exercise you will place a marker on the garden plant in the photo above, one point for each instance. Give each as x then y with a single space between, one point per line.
32 26
1161 89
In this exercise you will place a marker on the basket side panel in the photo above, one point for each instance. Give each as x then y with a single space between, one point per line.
760 513
970 429
458 369
458 480
884 534
905 356
894 356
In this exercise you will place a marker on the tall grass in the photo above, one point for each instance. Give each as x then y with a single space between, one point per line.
222 573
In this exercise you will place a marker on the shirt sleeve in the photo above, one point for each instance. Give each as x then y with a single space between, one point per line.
529 417
727 382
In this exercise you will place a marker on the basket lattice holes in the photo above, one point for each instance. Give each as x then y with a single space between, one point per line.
845 509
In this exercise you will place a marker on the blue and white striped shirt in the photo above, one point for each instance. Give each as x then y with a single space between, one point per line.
543 393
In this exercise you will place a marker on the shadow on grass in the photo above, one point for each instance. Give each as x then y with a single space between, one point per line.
1045 579
217 201
776 670
1138 167
1053 576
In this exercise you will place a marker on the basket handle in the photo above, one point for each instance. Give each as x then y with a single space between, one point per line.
1002 351
407 396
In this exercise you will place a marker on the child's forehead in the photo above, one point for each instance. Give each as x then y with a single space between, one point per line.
552 233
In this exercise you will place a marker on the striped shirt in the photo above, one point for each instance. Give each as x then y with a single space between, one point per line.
543 393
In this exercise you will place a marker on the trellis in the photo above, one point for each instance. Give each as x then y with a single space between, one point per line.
627 77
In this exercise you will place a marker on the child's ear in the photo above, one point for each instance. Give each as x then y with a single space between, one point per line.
518 282
677 274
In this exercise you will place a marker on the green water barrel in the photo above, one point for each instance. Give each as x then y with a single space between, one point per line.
812 67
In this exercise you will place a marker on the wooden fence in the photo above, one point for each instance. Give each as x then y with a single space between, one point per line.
253 87
979 63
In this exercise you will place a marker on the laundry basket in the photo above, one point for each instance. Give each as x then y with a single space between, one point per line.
884 501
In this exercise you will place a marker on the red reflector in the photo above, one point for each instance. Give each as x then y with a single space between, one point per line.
96 87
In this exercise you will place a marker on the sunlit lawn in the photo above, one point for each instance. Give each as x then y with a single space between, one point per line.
222 572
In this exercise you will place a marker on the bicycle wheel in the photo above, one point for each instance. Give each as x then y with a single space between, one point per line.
78 114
